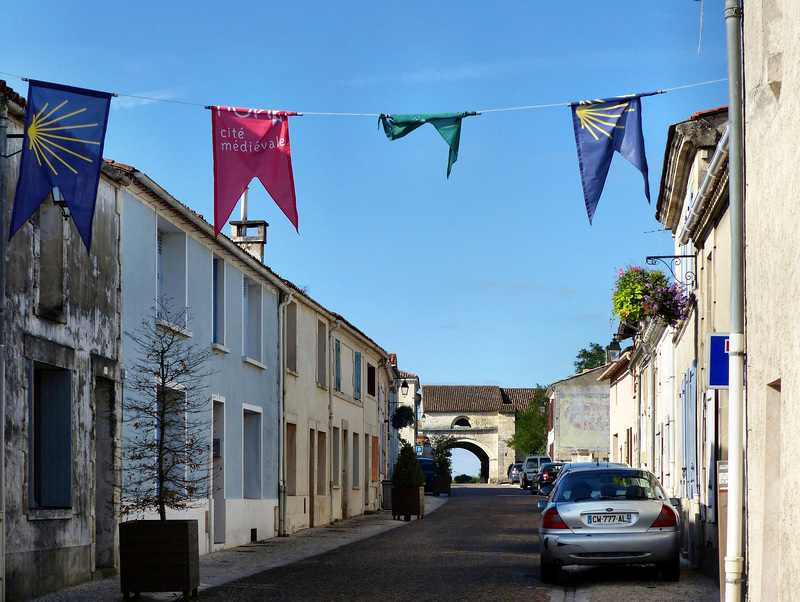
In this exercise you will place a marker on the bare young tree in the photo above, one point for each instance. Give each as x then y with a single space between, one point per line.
167 415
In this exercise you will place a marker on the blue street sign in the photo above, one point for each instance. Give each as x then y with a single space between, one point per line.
717 360
419 450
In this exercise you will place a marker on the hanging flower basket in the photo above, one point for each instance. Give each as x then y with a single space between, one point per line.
640 295
402 417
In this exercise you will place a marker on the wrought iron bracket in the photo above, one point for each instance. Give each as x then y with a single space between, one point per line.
688 276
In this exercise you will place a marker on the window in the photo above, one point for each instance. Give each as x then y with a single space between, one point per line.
50 434
290 344
218 301
335 459
51 262
251 453
174 417
372 380
357 376
171 270
356 460
251 320
337 365
322 355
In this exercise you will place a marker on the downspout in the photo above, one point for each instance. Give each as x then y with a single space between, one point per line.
282 432
336 327
734 560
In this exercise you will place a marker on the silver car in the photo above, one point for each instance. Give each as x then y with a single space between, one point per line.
609 515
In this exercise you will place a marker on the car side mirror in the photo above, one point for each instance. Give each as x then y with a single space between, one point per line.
541 505
675 501
545 489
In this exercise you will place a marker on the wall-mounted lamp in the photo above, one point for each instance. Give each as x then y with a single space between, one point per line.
404 388
542 406
60 202
613 350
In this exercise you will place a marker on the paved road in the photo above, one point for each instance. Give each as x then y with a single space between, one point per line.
478 546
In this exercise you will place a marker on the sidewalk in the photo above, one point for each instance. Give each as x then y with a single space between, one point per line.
223 566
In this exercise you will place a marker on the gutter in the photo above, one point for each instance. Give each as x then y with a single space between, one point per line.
706 188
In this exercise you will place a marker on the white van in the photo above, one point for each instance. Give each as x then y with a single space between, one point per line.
530 468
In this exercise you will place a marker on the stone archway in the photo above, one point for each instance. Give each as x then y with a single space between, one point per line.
479 452
479 419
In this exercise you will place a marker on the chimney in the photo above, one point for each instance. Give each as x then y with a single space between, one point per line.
252 244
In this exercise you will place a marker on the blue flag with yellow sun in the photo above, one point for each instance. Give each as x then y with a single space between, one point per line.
63 148
602 127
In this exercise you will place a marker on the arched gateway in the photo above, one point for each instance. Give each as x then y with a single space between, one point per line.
479 419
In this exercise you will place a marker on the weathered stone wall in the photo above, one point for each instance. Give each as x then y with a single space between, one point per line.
63 311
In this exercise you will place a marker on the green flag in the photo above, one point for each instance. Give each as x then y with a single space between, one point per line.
447 124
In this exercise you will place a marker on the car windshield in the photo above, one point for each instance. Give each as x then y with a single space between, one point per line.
607 485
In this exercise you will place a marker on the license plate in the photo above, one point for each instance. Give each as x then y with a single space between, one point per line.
610 519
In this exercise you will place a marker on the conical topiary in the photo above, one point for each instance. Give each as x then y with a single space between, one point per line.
407 471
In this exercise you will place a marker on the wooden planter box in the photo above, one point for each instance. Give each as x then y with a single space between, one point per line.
157 556
441 484
407 501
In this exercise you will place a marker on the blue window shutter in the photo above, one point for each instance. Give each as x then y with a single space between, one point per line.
357 376
337 367
159 276
245 316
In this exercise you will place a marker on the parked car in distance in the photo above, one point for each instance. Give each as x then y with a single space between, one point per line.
530 470
604 515
548 474
567 466
428 470
513 472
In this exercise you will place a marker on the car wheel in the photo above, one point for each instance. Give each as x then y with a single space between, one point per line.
549 571
671 570
534 490
524 483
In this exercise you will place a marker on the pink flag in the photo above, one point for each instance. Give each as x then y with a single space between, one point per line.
251 143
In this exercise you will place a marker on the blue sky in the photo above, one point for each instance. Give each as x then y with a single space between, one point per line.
491 277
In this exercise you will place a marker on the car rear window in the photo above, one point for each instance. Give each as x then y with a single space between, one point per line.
607 485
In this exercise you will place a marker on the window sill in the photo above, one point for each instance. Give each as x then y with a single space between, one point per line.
219 348
176 328
353 400
252 362
293 372
49 514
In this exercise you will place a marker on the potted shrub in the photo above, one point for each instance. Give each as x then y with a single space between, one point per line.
408 491
443 463
165 455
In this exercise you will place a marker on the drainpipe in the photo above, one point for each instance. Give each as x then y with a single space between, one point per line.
282 432
734 560
336 327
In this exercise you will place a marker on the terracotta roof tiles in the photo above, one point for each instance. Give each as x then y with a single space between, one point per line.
472 398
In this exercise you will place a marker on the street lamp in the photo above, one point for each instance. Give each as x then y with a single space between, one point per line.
542 407
613 350
404 388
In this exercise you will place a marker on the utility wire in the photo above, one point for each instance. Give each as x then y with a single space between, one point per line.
525 108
